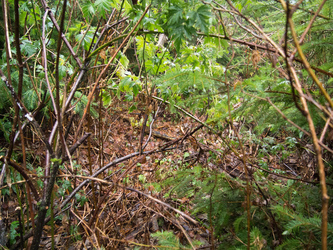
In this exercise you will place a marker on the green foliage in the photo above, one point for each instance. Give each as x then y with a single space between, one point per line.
75 233
298 225
221 198
131 87
99 7
206 74
189 82
181 22
64 185
81 198
167 239
5 127
81 103
13 233
85 37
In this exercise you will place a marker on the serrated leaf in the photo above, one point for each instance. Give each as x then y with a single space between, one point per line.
177 34
224 43
189 31
107 99
88 9
28 48
129 97
175 15
201 17
103 6
125 83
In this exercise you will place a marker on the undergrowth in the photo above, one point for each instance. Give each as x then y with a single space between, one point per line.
284 214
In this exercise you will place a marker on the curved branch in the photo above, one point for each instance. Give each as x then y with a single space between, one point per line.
22 171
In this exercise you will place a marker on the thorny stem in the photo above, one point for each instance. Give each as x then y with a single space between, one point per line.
44 54
8 56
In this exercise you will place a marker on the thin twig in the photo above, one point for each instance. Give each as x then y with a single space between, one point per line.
162 203
151 128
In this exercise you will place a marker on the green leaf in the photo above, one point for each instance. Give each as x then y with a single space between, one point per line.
28 47
103 6
186 154
175 15
107 99
167 239
56 160
125 83
224 43
132 108
201 17
123 60
88 9
136 89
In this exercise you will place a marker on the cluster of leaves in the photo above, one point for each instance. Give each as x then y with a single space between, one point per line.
182 22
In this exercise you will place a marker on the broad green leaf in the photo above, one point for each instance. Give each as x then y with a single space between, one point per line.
124 60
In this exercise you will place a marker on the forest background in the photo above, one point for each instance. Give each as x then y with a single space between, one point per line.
166 124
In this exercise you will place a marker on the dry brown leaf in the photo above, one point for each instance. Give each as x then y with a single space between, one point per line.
255 58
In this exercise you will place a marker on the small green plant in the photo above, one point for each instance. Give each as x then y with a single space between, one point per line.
167 239
75 234
13 233
222 198
64 185
81 198
142 178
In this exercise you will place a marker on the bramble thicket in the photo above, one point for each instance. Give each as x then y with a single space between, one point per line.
170 124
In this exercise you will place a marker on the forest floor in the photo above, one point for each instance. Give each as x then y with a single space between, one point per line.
121 207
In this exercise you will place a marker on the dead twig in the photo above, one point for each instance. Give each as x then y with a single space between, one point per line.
162 203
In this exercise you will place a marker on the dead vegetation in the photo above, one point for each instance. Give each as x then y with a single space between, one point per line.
120 207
